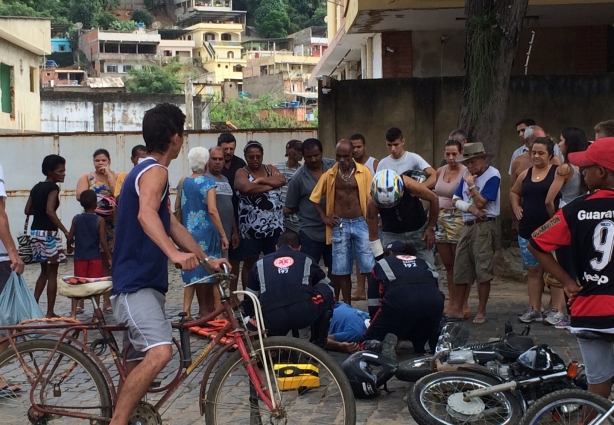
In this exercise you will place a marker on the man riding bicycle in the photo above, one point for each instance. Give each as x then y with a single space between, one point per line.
146 235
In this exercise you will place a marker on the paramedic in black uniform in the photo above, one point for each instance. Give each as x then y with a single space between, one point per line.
294 292
404 298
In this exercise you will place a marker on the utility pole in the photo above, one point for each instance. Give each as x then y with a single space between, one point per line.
189 104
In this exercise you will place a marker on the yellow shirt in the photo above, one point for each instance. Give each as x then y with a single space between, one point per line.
119 182
326 187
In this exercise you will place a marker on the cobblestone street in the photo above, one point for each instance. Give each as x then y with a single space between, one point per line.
507 299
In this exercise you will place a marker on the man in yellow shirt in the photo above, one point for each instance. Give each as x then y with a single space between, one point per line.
346 187
138 152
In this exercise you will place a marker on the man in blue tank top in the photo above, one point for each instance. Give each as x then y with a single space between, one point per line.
145 238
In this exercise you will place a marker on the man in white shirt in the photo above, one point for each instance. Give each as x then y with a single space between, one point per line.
360 152
401 161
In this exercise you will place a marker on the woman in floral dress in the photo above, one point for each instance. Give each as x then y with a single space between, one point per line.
200 216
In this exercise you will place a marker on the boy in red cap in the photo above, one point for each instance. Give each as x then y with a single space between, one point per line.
587 224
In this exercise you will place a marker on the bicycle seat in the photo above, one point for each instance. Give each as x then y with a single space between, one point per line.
83 287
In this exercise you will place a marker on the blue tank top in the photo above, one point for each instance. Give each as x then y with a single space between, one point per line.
137 261
87 238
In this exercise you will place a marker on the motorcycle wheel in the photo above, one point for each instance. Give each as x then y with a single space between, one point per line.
438 399
566 407
414 369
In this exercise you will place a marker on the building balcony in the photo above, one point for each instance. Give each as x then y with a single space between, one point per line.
213 4
126 57
225 43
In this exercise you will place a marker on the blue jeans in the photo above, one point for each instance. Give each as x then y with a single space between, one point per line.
349 238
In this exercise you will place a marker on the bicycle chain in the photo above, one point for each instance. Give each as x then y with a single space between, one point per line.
55 406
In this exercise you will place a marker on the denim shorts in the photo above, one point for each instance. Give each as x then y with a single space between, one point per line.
349 238
598 357
528 260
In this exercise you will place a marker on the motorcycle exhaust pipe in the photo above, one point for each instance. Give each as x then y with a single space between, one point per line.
510 386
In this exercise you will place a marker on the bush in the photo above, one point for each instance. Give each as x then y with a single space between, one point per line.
105 20
142 15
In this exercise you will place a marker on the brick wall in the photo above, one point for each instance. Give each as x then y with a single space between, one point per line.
590 50
397 64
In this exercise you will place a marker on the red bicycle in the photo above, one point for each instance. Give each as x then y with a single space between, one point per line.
256 380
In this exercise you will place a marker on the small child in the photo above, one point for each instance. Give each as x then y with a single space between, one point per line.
87 232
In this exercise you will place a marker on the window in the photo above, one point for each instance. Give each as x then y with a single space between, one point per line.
230 55
6 84
294 87
112 69
62 48
209 36
209 90
33 79
127 68
226 37
237 68
189 37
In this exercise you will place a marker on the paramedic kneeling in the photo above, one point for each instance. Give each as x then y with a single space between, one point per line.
404 298
294 292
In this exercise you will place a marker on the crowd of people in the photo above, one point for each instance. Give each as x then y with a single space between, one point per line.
273 224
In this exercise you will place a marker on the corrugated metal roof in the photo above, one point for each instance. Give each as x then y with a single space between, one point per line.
104 82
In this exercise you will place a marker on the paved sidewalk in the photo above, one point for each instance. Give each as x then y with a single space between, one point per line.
507 299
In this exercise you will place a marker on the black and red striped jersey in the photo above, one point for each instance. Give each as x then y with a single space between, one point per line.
587 225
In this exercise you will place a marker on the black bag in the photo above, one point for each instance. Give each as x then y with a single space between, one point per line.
25 248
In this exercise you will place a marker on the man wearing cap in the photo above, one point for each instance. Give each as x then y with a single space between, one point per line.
478 197
288 168
587 225
404 298
261 219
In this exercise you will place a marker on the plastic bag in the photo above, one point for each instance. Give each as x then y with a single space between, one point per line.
17 303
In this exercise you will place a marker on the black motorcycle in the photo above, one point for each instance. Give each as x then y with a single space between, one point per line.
498 393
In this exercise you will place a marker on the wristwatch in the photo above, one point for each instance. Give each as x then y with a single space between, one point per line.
433 228
471 188
207 258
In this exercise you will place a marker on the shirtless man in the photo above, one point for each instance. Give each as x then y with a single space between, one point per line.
346 188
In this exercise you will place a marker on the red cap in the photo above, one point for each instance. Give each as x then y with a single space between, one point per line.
600 152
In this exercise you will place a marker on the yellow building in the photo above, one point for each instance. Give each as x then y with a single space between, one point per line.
426 38
216 30
22 42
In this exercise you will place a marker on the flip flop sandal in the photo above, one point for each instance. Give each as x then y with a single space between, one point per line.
6 393
79 310
108 310
358 298
480 320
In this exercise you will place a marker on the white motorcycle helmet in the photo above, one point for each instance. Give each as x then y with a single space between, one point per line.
387 188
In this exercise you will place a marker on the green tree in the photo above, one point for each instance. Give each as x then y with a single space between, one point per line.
142 15
272 19
18 9
493 30
249 113
105 20
110 4
155 79
84 12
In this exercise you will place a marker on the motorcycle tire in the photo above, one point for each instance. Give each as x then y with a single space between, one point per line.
414 369
430 402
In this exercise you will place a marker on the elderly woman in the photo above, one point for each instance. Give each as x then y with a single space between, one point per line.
196 198
47 249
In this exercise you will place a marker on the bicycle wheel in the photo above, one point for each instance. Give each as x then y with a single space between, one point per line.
71 382
308 388
566 407
438 399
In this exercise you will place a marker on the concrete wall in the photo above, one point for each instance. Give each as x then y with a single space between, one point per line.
77 148
426 110
26 104
264 84
87 112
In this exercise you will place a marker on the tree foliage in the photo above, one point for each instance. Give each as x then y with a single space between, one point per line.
249 113
142 15
272 19
301 14
84 12
88 12
105 20
155 79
